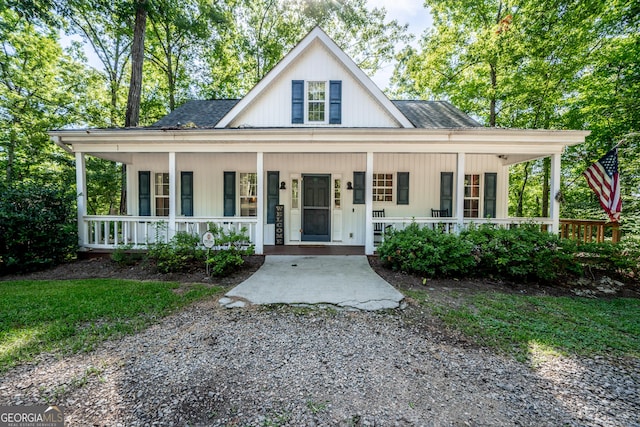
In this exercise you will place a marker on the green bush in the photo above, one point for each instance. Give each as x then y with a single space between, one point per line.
521 253
610 258
231 246
38 228
427 252
178 255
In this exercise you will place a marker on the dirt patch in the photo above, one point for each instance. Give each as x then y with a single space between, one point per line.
596 286
104 267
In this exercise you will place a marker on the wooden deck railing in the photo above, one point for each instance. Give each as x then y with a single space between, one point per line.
588 230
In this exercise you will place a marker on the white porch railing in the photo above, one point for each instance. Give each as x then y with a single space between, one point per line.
110 231
451 225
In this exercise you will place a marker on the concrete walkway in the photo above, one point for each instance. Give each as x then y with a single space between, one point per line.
343 281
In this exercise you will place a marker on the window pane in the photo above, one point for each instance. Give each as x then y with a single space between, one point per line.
294 193
337 184
248 194
316 97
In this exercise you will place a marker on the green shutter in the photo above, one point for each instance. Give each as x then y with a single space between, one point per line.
490 190
403 188
144 193
273 195
186 193
297 101
446 191
359 188
229 194
335 102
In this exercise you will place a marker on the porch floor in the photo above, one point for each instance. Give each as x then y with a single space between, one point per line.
313 250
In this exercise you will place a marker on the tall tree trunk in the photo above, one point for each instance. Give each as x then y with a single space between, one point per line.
11 155
545 187
519 208
135 86
137 58
492 105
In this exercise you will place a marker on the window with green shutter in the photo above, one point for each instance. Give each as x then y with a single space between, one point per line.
186 193
229 194
359 188
490 190
144 193
403 188
273 195
446 191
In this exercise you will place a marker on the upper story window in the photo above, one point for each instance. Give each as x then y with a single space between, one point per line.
316 101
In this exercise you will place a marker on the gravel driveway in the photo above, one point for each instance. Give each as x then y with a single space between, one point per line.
288 366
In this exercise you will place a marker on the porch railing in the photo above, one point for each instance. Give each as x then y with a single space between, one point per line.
108 232
590 230
451 225
584 230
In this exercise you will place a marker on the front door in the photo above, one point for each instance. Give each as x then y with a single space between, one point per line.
316 208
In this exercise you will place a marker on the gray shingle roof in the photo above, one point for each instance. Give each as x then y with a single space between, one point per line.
435 115
423 114
203 113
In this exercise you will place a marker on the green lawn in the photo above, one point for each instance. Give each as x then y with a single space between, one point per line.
74 315
521 325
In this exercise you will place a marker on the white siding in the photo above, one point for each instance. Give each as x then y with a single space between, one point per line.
424 182
273 107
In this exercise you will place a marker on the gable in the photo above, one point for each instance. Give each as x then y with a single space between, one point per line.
315 59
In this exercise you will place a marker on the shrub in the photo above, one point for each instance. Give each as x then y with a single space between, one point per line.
178 255
611 259
231 247
426 252
38 228
523 252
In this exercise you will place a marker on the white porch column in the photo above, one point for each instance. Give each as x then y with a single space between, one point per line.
81 197
172 195
260 205
368 207
554 206
460 191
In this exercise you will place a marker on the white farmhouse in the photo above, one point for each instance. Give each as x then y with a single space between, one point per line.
317 139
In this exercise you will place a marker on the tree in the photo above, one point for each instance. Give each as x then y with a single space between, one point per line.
259 33
137 59
40 89
176 29
512 64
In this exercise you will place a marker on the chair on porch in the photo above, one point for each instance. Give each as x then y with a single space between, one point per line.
439 213
378 227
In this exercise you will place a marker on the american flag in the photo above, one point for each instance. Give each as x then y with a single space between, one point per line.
603 179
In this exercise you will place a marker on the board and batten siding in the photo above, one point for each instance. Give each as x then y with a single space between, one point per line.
208 170
424 183
424 180
272 107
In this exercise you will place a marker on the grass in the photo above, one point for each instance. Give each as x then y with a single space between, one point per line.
523 325
69 316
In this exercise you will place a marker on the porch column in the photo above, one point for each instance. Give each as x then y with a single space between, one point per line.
172 195
460 191
368 207
260 204
554 206
81 197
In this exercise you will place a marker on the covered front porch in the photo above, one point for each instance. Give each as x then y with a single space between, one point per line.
459 153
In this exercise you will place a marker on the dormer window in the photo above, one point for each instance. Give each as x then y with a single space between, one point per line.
311 105
316 100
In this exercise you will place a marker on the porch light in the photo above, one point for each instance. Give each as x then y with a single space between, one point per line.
283 185
349 186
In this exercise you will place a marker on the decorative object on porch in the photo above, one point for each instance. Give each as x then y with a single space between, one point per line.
439 213
602 177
